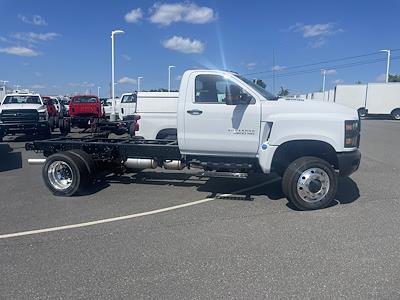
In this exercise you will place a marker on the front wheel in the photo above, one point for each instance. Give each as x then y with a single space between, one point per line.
310 183
396 114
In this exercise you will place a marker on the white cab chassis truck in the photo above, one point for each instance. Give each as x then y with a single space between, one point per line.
230 127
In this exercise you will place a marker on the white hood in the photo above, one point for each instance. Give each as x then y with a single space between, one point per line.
38 107
309 109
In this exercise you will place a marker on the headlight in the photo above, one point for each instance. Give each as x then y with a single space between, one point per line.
43 115
351 133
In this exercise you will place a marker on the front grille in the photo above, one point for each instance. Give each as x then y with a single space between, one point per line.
19 116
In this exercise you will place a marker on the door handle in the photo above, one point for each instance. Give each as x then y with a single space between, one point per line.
195 112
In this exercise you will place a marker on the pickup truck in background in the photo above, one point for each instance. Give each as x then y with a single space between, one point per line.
227 126
24 113
157 112
83 111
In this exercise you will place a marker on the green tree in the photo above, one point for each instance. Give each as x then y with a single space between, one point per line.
394 77
283 92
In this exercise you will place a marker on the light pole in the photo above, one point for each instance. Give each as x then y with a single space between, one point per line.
387 63
4 85
323 79
98 91
169 77
113 116
138 83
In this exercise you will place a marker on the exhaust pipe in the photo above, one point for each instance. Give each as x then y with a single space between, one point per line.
140 163
174 165
36 161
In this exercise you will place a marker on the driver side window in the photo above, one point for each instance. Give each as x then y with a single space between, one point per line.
218 90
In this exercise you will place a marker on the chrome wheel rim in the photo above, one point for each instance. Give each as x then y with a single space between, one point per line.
397 115
313 185
60 175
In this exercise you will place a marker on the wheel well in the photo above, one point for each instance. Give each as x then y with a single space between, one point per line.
290 151
162 134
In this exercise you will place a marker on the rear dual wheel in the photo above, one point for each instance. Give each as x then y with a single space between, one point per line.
310 183
68 173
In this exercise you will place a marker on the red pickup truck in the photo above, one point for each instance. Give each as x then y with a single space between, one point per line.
84 110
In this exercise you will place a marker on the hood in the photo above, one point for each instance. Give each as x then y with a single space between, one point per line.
309 109
22 106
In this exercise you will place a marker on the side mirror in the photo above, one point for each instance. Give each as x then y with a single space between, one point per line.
244 99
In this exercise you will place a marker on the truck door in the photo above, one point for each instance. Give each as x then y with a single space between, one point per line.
221 118
128 105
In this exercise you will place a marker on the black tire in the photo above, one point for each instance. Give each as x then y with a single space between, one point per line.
65 126
396 114
132 129
78 171
291 179
88 161
46 134
52 123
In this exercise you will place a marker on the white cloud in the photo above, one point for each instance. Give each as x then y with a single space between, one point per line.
278 68
20 51
35 20
251 65
38 86
84 84
338 81
331 72
33 37
127 80
317 33
184 45
381 78
179 77
38 74
134 16
165 14
126 57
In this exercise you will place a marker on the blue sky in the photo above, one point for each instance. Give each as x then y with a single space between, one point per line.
58 47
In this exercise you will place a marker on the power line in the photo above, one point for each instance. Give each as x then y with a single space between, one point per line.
333 67
319 63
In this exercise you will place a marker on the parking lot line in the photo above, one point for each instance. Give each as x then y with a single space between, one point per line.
131 216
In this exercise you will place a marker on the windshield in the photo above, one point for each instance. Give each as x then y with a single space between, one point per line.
64 101
128 99
22 99
267 95
85 100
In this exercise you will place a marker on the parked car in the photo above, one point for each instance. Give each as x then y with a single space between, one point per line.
24 113
65 102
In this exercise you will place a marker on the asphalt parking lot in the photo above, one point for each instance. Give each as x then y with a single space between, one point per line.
251 244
